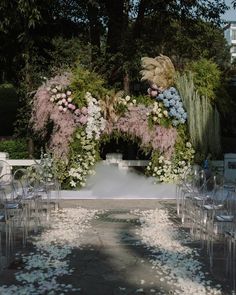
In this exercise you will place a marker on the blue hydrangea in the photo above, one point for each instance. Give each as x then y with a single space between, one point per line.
173 102
161 96
184 116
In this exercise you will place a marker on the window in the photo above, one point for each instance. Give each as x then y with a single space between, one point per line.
233 49
233 34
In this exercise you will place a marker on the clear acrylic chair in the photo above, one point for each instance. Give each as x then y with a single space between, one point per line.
39 182
5 168
30 198
194 185
10 217
220 222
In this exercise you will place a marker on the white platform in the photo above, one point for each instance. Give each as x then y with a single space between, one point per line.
113 183
163 191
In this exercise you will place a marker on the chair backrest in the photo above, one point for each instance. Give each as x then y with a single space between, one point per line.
9 188
5 168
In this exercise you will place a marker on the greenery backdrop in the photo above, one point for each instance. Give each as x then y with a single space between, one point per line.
43 37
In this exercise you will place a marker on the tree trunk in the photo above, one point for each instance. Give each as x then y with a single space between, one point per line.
94 29
31 148
126 84
115 11
140 19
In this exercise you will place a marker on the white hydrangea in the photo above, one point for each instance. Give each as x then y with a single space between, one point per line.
96 123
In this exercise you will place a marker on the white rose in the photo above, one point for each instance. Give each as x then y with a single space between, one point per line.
58 87
154 118
165 113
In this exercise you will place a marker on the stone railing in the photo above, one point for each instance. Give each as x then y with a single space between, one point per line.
226 167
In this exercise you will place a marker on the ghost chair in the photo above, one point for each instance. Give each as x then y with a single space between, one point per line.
195 203
219 224
42 185
5 168
230 237
183 187
193 186
6 232
31 199
13 215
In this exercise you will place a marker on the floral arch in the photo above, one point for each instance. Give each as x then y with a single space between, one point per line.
84 113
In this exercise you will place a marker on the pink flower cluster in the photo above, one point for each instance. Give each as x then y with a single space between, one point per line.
62 98
82 115
44 111
135 123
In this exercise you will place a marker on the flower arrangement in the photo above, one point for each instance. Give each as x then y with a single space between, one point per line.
62 97
170 171
83 112
173 103
82 163
159 115
95 122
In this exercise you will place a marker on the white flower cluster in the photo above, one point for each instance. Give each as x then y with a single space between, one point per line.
163 171
84 161
127 101
158 112
175 263
46 162
95 122
53 246
171 171
62 97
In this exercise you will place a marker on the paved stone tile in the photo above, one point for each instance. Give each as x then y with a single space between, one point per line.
111 260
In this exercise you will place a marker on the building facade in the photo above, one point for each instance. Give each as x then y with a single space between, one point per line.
230 35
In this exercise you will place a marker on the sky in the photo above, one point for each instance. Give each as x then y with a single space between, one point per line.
230 14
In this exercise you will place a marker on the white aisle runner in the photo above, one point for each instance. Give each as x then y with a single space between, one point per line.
109 182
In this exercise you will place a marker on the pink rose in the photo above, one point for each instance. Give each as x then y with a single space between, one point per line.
84 110
152 93
83 119
77 112
71 106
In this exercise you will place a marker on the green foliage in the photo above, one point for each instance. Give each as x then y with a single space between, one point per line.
8 109
86 81
144 99
183 151
206 77
203 118
16 148
61 171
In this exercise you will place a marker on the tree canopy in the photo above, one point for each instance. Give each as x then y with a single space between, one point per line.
108 36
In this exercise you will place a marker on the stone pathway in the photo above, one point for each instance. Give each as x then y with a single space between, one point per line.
111 259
